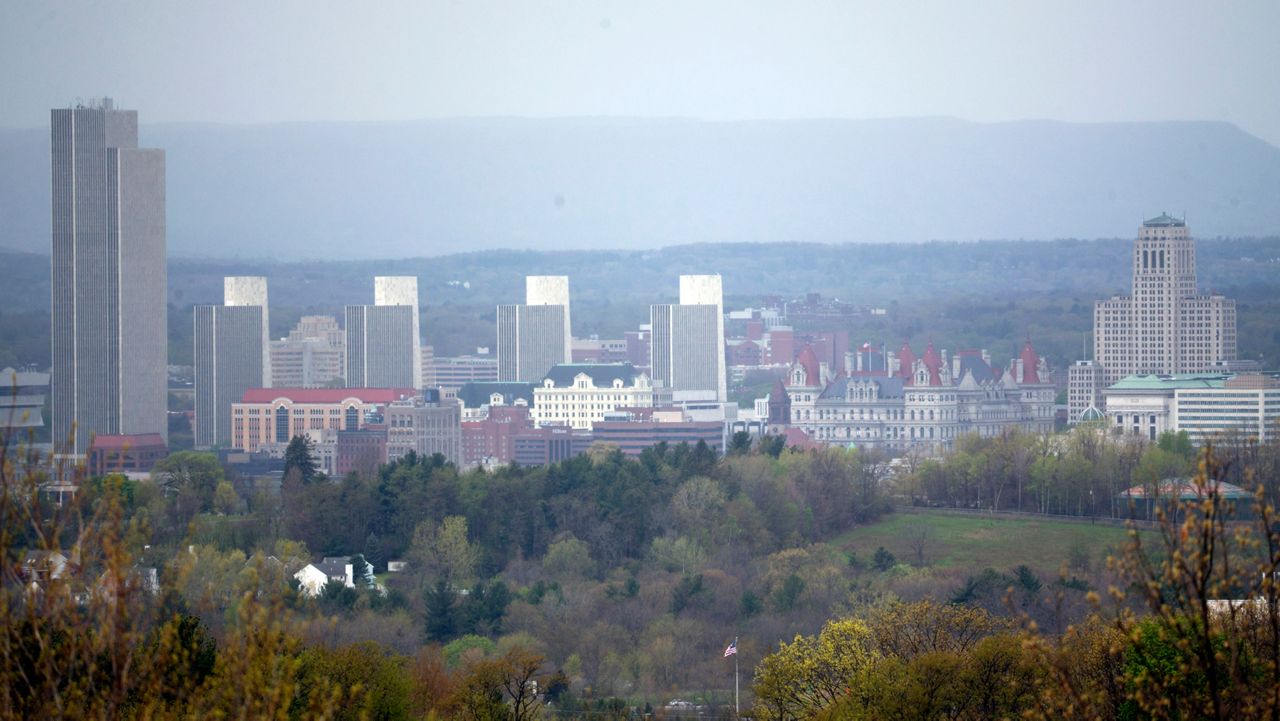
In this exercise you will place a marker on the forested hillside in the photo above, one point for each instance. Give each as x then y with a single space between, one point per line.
615 582
985 294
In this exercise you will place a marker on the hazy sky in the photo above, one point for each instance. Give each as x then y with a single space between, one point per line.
277 60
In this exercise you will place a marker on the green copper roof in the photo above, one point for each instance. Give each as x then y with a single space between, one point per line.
1173 380
1164 220
1091 414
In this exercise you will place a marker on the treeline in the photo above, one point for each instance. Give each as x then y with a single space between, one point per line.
1081 473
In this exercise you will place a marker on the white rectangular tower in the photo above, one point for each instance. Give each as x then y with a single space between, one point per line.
402 290
688 340
535 336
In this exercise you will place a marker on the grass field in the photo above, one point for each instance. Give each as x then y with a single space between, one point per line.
976 542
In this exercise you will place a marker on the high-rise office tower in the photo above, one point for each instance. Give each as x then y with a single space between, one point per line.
384 348
312 356
688 340
232 355
535 336
109 329
1165 326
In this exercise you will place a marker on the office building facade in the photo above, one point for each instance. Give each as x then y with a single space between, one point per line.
1165 326
109 318
687 351
273 416
1210 407
424 425
383 343
232 355
578 395
313 355
535 336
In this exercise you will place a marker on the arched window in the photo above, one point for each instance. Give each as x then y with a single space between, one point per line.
282 425
351 421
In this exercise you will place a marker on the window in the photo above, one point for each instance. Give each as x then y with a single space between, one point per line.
282 425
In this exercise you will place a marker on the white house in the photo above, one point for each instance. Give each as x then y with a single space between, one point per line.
315 576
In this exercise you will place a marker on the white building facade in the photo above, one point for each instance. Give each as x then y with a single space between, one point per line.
578 395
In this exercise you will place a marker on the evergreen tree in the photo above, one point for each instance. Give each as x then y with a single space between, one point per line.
442 622
739 444
298 455
373 551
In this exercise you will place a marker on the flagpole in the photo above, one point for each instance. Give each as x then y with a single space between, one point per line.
736 712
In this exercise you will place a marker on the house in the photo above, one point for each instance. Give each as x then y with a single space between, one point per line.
42 566
315 576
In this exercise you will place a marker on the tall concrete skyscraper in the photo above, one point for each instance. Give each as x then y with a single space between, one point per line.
109 321
688 340
384 347
1165 326
537 335
232 355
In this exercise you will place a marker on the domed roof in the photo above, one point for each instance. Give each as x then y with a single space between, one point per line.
1091 414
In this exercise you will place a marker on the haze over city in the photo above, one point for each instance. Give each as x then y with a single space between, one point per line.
567 360
607 121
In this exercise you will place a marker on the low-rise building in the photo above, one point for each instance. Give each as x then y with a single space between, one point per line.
451 373
424 425
360 451
132 453
21 405
490 440
924 402
551 444
275 415
476 398
633 435
578 395
1207 406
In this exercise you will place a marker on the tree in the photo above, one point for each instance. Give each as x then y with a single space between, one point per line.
498 688
441 622
373 552
907 630
1194 623
445 552
381 677
567 558
299 457
740 444
918 534
812 672
882 560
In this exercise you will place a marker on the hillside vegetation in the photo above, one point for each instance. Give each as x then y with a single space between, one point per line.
962 295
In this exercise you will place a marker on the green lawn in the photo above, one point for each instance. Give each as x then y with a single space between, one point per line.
975 542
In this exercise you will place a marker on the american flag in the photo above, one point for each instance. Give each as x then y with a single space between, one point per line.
732 648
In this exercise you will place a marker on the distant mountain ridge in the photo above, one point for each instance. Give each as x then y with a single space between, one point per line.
433 187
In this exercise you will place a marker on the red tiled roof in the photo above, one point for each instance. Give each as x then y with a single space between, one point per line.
135 440
906 359
327 395
809 361
933 362
1029 363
